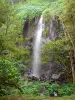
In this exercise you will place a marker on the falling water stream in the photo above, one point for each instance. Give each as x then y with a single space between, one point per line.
36 49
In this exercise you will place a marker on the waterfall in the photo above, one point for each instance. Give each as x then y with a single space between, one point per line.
37 49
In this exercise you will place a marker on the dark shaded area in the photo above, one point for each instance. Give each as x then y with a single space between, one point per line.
26 28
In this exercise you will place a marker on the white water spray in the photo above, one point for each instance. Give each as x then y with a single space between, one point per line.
37 47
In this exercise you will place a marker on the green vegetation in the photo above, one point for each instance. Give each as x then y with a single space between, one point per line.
34 88
31 9
56 50
15 54
9 76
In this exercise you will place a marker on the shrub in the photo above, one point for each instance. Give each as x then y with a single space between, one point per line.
9 75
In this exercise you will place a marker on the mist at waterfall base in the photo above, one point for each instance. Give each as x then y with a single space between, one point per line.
37 49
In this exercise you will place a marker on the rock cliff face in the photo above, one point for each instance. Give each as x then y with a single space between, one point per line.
49 71
52 71
26 28
30 27
56 28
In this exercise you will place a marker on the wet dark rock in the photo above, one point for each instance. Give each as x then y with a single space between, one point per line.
30 26
35 78
55 76
59 77
32 78
56 29
26 28
52 72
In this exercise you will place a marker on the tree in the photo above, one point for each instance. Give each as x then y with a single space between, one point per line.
68 17
56 51
9 75
4 10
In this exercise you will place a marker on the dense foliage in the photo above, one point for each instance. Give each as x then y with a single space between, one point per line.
9 76
16 55
34 88
56 50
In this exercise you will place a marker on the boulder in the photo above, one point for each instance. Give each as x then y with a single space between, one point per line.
52 72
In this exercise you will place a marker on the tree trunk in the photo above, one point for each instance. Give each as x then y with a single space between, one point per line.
72 59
